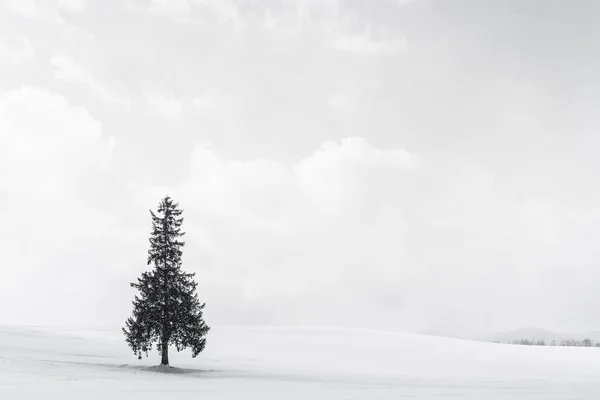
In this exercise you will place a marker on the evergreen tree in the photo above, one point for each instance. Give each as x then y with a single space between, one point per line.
167 310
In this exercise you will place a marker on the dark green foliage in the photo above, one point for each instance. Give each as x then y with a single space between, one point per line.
167 310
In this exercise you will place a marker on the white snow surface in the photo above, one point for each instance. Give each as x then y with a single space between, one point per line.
291 363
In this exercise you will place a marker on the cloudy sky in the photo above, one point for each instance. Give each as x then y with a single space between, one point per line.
397 164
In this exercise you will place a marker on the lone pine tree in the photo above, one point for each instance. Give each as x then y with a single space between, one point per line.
167 310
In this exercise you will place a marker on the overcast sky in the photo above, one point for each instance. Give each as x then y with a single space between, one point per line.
397 164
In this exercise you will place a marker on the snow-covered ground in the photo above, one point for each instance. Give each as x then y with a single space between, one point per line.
294 363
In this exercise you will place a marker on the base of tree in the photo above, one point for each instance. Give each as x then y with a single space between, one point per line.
166 369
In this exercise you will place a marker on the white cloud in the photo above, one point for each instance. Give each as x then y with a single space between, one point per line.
185 11
306 8
45 136
67 70
271 22
168 107
26 8
336 175
212 101
179 10
16 53
405 2
342 101
37 10
74 6
298 231
49 153
228 12
364 43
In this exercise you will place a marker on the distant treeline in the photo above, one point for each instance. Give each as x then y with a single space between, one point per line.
587 342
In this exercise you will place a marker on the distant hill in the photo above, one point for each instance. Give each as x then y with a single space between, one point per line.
537 334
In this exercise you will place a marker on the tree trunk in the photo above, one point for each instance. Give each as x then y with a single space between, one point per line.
165 338
165 353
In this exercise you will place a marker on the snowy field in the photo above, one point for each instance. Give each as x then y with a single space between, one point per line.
281 363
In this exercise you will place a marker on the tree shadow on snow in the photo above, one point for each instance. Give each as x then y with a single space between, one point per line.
142 368
167 369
